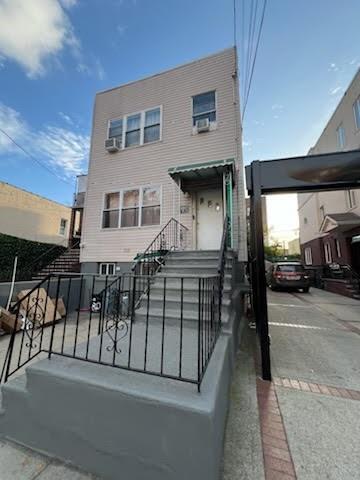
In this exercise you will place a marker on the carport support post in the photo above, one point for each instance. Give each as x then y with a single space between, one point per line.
258 268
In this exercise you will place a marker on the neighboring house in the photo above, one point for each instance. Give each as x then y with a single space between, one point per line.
330 221
264 217
167 146
294 247
32 217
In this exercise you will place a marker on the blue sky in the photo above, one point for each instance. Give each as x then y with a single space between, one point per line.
55 55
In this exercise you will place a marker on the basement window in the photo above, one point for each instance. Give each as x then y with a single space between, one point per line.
107 269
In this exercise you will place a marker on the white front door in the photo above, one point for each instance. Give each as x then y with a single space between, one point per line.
209 219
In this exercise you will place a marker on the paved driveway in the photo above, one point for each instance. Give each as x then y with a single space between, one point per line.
315 350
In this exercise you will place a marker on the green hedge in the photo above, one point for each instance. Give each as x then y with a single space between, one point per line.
28 253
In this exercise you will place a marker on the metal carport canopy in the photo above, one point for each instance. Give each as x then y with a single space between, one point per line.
324 172
330 171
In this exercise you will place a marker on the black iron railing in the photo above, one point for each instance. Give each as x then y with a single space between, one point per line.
172 237
222 259
172 332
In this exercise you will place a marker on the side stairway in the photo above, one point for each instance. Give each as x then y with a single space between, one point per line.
68 262
178 282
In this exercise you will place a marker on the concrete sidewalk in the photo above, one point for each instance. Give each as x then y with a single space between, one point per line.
315 349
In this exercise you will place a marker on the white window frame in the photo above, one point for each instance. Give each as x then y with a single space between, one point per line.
213 125
142 127
110 209
350 199
308 256
338 248
356 107
121 192
328 254
63 233
107 264
341 139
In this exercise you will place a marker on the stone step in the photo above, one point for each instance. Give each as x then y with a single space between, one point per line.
198 262
180 270
173 302
196 254
156 315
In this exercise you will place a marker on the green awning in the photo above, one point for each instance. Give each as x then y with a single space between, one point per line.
206 171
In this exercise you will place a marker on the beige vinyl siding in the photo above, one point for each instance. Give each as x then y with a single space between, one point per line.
148 164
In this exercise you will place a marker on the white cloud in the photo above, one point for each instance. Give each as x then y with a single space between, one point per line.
68 3
277 106
95 67
333 67
353 61
32 33
64 149
334 91
12 123
66 118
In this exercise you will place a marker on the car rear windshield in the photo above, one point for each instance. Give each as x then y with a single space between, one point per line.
290 268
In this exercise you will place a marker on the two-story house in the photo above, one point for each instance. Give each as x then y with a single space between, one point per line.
167 146
330 221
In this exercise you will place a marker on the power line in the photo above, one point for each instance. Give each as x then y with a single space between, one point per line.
254 61
34 158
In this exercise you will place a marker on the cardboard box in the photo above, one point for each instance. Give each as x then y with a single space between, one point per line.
7 321
60 306
38 306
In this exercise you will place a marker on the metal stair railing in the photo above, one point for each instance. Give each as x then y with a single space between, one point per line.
172 237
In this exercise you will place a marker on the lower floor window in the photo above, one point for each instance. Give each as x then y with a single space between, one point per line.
327 249
135 207
308 256
107 269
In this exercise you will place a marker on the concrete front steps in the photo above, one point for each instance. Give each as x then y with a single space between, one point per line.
184 269
121 424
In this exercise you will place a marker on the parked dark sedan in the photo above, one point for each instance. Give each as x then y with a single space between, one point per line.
288 275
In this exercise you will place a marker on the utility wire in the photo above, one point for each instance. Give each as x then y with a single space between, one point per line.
35 159
254 60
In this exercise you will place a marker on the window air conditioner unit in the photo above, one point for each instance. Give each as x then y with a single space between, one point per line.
203 125
112 145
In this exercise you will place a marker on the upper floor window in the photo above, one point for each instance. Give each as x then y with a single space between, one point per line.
133 207
341 136
350 198
204 106
63 225
152 125
133 130
116 129
356 109
136 129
